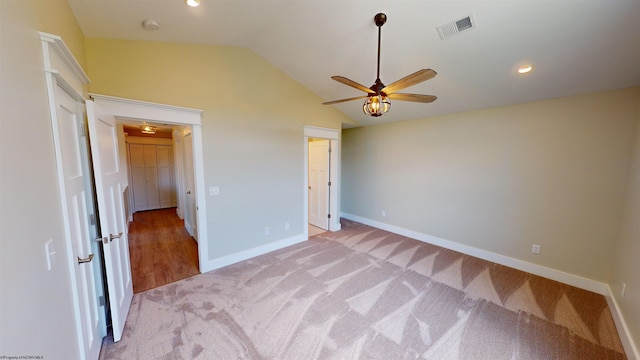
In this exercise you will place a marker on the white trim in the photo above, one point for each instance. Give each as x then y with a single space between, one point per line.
179 170
201 204
253 252
334 201
61 50
629 346
325 133
153 112
148 140
61 69
144 110
553 274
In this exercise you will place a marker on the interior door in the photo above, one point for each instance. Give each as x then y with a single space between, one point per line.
165 175
151 176
138 181
319 183
74 174
190 196
113 225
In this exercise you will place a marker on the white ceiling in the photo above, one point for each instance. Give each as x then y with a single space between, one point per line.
575 46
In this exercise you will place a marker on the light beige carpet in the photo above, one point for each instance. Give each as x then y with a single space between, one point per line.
363 293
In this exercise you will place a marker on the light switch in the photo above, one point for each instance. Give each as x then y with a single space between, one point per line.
214 191
50 251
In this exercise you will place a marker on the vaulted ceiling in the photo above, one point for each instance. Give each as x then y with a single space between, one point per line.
575 46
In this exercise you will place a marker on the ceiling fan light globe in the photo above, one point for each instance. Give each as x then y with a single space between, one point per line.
376 105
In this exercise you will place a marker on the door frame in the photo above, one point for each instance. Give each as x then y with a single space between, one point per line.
161 113
62 70
189 213
319 149
334 136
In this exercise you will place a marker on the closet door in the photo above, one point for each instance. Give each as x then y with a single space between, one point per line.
174 183
165 176
138 177
151 176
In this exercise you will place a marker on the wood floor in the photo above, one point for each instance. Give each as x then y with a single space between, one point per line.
161 249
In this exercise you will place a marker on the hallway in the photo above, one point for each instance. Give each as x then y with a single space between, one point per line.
161 250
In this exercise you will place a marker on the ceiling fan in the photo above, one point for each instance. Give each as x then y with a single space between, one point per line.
378 94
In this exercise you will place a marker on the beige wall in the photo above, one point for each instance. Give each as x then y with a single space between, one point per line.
56 17
252 128
36 313
552 173
626 268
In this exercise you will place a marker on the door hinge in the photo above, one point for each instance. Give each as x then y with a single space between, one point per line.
329 216
101 301
82 130
329 183
92 219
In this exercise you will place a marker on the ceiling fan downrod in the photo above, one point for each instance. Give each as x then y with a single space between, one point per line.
380 19
378 95
377 103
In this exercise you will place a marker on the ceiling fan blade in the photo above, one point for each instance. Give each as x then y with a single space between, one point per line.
353 84
413 97
344 100
410 80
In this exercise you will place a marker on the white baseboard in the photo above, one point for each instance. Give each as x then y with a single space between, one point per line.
549 273
630 347
557 275
253 252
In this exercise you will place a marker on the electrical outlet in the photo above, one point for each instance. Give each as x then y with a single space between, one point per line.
624 289
267 231
287 226
214 191
383 213
535 248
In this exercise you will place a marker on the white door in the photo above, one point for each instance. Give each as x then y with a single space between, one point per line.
138 181
319 183
151 176
113 225
189 188
69 150
165 175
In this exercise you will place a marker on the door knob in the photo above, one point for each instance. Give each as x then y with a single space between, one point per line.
85 260
189 192
111 236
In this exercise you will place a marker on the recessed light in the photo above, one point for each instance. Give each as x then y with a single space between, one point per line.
525 69
192 3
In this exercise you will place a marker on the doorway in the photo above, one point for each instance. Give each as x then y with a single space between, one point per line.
322 174
184 118
162 229
319 185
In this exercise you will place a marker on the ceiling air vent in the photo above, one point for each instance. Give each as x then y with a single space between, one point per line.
454 27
